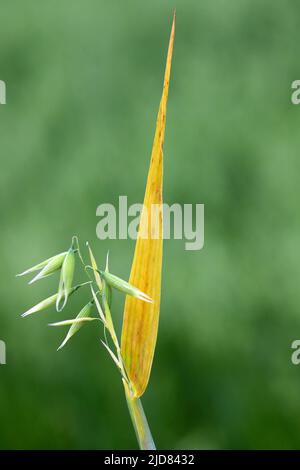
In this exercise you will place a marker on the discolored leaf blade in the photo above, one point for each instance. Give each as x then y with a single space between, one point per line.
140 322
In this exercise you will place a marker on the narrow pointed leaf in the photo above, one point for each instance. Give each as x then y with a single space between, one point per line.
140 323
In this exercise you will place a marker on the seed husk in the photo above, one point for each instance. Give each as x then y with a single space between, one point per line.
124 286
39 266
46 303
66 279
83 316
54 265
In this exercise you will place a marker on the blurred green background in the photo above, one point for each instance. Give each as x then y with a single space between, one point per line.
83 82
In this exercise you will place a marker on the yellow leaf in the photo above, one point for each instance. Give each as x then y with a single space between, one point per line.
140 322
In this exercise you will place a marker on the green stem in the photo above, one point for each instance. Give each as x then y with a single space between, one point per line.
135 407
139 421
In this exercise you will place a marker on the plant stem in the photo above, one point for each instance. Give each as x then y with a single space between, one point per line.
135 407
139 421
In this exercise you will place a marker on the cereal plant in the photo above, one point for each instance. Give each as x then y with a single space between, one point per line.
133 355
